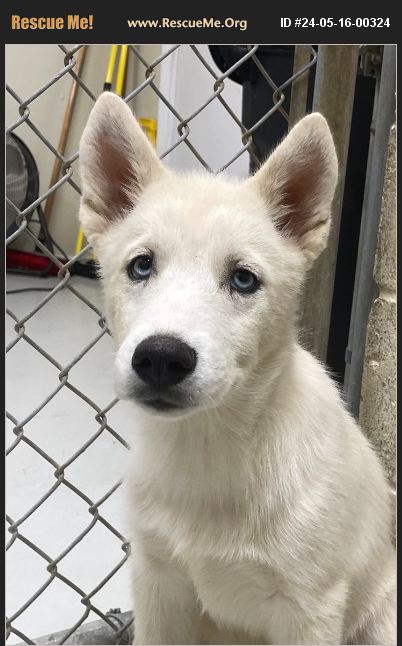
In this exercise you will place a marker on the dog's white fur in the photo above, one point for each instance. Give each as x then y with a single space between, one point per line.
260 513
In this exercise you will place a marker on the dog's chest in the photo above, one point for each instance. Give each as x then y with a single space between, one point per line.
227 543
225 559
194 526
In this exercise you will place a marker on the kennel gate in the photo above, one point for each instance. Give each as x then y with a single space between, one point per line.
336 66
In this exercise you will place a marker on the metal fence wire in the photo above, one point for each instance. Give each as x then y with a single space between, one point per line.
115 625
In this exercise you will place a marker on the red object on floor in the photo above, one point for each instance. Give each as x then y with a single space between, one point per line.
30 261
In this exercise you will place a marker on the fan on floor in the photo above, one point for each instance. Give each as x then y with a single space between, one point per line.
22 189
22 181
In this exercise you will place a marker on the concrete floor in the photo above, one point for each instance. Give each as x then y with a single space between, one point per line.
63 328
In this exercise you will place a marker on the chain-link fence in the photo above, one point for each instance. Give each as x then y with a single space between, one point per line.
115 626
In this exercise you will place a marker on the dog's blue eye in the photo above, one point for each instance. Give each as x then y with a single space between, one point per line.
244 281
140 268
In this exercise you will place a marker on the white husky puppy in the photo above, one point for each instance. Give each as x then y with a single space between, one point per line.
260 513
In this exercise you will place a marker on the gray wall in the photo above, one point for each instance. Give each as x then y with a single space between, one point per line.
378 394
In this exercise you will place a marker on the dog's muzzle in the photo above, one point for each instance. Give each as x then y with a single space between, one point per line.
162 362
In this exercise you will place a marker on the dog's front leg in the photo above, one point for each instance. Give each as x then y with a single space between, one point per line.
310 619
319 632
165 605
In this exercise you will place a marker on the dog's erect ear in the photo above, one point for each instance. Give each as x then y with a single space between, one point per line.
116 163
298 182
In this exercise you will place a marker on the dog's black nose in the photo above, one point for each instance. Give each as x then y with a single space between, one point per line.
163 361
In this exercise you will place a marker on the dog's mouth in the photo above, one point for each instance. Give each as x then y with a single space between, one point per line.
160 404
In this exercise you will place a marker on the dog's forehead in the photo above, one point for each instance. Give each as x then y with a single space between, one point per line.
199 210
198 197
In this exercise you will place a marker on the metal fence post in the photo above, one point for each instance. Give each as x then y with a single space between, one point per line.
364 289
298 97
333 97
